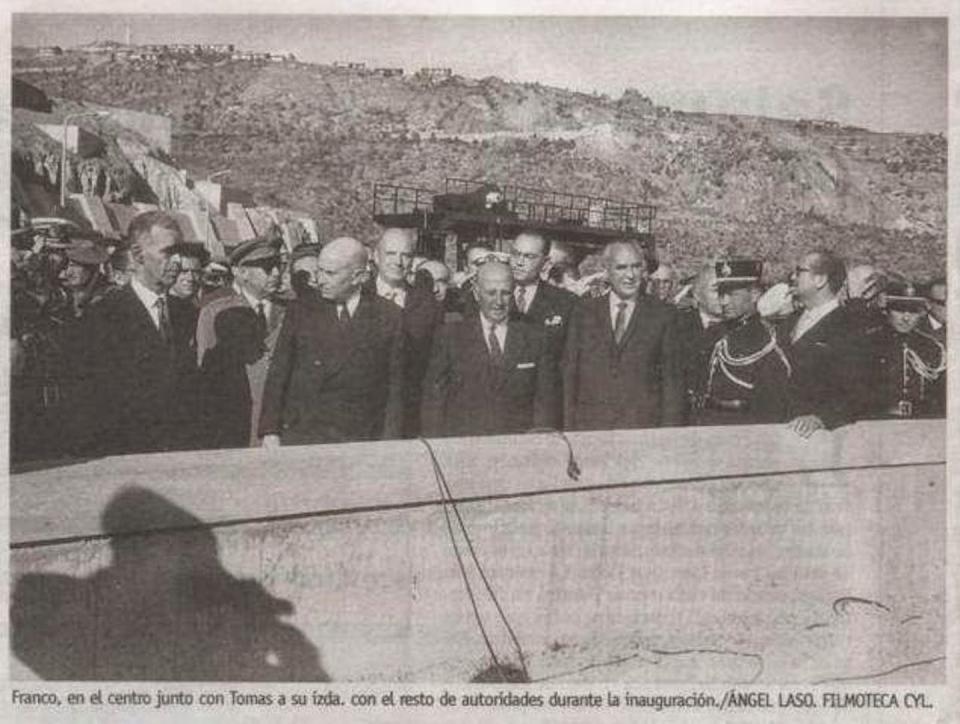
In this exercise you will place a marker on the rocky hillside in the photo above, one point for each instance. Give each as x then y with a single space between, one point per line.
317 138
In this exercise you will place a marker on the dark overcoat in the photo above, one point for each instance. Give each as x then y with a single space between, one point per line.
330 382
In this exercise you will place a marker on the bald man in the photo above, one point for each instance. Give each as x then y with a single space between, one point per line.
336 373
490 374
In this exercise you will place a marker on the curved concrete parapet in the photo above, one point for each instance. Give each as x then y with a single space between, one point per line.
679 555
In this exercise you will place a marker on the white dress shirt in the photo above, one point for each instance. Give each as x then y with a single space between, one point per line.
351 304
397 295
810 317
148 298
500 331
253 301
615 302
529 292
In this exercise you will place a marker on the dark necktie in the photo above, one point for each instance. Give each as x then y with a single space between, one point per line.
262 319
522 300
496 352
163 321
343 314
620 322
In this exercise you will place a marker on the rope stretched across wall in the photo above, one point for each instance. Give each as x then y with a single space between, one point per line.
448 503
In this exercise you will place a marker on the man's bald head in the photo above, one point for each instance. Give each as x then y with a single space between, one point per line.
345 249
341 268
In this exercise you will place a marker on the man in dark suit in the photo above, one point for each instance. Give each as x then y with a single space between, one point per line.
934 322
490 374
420 311
256 268
136 387
832 369
621 366
535 301
336 373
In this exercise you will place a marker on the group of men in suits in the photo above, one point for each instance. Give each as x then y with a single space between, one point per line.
366 355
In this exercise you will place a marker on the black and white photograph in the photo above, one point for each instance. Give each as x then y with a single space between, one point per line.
407 365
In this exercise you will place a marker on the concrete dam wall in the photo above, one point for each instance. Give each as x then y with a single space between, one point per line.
683 555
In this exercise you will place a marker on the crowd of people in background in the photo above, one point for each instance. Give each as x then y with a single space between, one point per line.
149 345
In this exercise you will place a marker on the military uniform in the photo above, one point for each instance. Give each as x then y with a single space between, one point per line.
746 378
911 363
696 343
747 372
913 379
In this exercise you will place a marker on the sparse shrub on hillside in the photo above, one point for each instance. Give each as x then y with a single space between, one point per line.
311 139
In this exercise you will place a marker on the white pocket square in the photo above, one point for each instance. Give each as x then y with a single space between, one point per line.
526 365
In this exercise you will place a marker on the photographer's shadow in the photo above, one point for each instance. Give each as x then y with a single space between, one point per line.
165 610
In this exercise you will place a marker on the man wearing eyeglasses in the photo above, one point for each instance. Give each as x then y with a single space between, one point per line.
256 267
535 301
832 369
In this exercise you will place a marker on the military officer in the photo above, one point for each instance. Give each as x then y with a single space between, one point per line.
912 363
699 327
748 371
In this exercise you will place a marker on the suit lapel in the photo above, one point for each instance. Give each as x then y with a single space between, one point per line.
609 320
815 333
633 323
141 319
514 346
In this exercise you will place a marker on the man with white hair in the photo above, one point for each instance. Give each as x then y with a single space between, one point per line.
336 373
491 373
421 314
621 367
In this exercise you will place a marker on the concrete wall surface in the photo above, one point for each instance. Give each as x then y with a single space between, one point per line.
684 555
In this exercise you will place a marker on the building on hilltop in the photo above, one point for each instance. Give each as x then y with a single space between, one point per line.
349 65
249 55
49 51
388 72
435 74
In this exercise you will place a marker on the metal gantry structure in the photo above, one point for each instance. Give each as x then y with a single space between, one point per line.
487 212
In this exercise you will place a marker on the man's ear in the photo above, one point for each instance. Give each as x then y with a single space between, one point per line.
361 275
136 251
